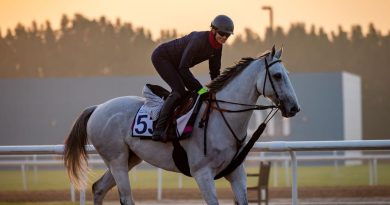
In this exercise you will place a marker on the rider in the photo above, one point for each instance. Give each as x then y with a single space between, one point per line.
173 61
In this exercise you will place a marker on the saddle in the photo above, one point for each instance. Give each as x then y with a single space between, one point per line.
180 124
186 102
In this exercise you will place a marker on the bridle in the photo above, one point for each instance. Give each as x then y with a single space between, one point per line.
274 108
241 151
268 74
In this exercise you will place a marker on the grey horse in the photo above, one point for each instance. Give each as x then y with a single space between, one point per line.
108 128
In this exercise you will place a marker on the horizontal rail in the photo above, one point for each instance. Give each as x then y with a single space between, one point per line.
274 146
319 157
38 149
44 162
250 158
284 146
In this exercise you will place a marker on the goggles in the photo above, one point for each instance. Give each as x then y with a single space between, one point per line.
222 33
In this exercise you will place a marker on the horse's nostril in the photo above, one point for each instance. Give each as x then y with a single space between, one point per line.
295 109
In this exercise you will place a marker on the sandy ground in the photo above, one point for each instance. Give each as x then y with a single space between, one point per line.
378 195
305 201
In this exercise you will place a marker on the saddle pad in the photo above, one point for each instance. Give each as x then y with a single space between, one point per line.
143 122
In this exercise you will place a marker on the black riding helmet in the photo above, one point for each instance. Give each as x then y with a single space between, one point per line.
223 23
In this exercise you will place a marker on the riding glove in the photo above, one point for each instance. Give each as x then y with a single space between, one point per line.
203 91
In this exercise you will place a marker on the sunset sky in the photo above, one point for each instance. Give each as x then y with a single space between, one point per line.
188 15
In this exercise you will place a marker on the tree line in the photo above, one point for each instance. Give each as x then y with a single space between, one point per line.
94 47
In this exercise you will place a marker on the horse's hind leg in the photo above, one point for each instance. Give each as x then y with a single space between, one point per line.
101 187
107 130
107 181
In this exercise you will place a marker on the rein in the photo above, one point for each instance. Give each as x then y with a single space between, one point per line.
204 121
240 154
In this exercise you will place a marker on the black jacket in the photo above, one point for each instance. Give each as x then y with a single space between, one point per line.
187 51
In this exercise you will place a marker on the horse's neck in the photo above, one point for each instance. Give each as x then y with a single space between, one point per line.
242 89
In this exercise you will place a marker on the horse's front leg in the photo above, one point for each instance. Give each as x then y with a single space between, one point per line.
237 181
205 181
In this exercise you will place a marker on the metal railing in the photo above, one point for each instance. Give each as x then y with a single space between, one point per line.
276 146
292 147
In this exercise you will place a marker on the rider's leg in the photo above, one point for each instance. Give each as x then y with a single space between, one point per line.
170 75
159 133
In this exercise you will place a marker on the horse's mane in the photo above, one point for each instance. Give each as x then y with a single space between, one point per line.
230 72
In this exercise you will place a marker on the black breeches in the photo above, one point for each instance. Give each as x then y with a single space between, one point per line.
169 74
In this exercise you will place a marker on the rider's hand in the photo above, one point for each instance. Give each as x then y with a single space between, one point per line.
203 91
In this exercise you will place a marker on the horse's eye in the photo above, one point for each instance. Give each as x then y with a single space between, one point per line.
278 76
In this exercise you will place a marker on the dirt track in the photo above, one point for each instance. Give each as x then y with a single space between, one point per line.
194 194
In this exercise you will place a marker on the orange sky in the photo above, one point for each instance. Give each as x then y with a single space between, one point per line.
188 15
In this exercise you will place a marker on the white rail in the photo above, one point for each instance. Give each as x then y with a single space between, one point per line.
38 149
276 146
283 146
292 147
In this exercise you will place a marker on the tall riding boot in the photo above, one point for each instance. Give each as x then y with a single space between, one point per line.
166 110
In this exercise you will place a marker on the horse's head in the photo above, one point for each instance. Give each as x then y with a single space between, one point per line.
274 83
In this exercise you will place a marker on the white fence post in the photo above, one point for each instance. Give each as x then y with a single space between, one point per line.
82 197
180 183
286 172
294 187
159 184
24 176
72 193
276 173
375 172
336 162
35 169
370 172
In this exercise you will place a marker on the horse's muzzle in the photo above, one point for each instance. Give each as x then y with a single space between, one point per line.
291 111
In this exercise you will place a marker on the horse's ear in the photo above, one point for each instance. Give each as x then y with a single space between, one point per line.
273 51
278 54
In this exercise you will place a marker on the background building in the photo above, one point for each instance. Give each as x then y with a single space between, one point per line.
41 111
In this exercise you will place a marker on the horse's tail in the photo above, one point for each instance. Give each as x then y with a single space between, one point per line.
75 154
